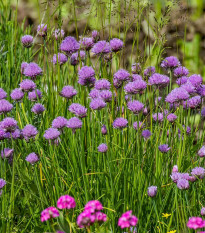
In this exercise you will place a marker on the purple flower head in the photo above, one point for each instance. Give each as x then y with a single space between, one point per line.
177 95
104 130
59 122
27 41
120 123
149 71
7 153
29 131
181 71
32 158
74 123
2 134
102 148
171 117
51 134
86 76
93 206
32 95
76 57
182 80
23 66
198 172
69 45
5 106
3 94
122 75
14 135
182 184
50 212
66 202
202 211
195 80
60 59
95 36
189 87
97 104
201 90
100 217
136 77
195 223
170 62
38 108
116 44
158 117
136 68
58 33
86 43
201 152
164 148
106 95
146 134
102 84
27 85
138 125
17 94
203 112
85 219
158 80
175 176
32 70
194 102
135 87
68 92
79 110
152 191
2 183
175 169
101 47
94 93
127 220
42 30
135 106
9 124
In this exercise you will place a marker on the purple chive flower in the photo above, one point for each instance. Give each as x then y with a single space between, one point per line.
27 41
86 76
104 130
138 125
158 80
5 106
32 158
201 90
95 36
58 33
135 87
201 152
79 110
127 220
32 70
50 212
74 123
68 92
170 62
146 134
76 57
164 148
195 223
198 172
97 104
86 43
136 68
189 87
182 80
116 44
51 134
42 30
9 124
194 102
171 117
14 135
122 75
69 45
149 71
94 93
120 123
59 122
85 219
38 108
2 134
101 47
93 206
61 59
106 95
32 95
3 94
7 153
175 169
29 131
177 95
102 84
183 184
136 77
158 117
202 211
195 80
135 106
27 85
23 66
181 71
2 183
66 202
152 191
17 94
102 148
203 112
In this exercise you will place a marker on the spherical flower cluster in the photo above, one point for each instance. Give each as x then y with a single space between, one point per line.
94 93
97 104
201 90
79 110
177 95
102 84
59 122
116 44
146 134
106 95
27 85
74 123
9 124
76 57
50 212
29 131
136 77
158 80
86 76
158 117
104 130
181 71
196 223
136 68
119 77
182 80
95 36
32 70
66 202
3 94
69 45
42 30
7 153
175 176
32 158
38 108
135 87
149 71
170 62
120 123
152 191
182 184
101 47
23 66
171 117
2 134
5 106
68 92
2 183
51 134
32 95
138 125
201 152
127 220
86 43
164 148
102 148
17 94
27 41
189 87
175 169
194 102
60 59
135 106
58 33
195 80
198 172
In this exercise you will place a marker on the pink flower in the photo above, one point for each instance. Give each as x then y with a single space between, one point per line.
93 206
85 219
50 212
101 217
195 223
127 220
66 202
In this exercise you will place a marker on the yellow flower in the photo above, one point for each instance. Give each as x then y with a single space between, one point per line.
166 215
172 231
